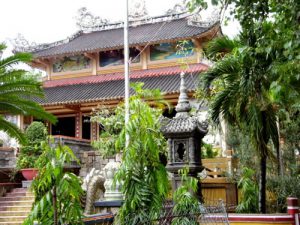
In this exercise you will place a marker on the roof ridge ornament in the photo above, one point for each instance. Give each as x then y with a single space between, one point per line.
183 106
85 20
196 19
137 10
178 8
21 44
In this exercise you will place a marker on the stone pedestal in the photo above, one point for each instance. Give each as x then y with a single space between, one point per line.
112 189
26 183
108 206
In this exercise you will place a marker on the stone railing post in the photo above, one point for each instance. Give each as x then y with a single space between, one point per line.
293 209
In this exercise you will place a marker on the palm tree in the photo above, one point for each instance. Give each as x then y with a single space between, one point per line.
17 88
243 98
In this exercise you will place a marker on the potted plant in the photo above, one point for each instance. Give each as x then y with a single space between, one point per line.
36 133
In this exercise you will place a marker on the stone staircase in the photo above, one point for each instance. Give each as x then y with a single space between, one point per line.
15 206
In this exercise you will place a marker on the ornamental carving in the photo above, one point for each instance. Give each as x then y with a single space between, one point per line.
21 44
137 10
86 21
178 8
181 151
197 20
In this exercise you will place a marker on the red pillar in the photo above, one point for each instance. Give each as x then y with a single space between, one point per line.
293 209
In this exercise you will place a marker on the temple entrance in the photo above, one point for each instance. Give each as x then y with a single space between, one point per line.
64 126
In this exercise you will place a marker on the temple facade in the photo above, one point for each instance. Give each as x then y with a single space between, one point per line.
86 70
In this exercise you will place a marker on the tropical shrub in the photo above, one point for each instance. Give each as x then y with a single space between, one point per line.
111 123
282 188
186 204
35 134
57 193
248 187
144 177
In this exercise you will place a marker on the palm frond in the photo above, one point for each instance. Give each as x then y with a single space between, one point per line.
227 68
15 59
12 130
219 47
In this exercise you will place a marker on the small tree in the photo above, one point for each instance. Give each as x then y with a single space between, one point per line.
57 192
36 133
144 177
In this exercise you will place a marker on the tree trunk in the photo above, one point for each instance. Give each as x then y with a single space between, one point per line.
262 184
280 168
54 200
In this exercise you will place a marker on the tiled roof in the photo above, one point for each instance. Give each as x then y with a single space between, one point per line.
100 88
138 35
183 125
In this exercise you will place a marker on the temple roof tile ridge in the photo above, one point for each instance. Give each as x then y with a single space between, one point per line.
189 24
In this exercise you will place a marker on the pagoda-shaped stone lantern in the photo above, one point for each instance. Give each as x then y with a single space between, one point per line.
184 133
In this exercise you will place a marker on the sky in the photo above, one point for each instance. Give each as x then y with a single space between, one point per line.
44 21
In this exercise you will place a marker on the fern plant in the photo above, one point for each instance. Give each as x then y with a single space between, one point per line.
57 193
249 190
186 204
144 177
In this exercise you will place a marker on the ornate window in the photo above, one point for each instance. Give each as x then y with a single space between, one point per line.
166 51
71 63
116 57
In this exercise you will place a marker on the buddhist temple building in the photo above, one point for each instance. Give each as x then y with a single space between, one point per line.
86 70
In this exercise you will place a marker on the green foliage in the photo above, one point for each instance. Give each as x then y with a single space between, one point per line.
57 193
35 134
186 203
144 177
283 187
249 190
17 88
259 73
208 152
112 124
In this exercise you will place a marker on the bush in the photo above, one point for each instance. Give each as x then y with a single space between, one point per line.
282 188
35 134
249 190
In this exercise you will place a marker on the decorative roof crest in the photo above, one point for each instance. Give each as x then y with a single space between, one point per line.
21 44
137 10
178 8
85 20
183 106
197 20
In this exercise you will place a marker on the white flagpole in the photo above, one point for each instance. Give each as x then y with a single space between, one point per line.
126 72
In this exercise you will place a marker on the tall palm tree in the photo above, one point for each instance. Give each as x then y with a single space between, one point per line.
243 98
17 88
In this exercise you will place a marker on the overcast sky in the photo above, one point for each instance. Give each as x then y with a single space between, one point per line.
44 21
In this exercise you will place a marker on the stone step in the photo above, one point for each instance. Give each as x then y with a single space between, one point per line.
16 203
11 223
12 219
16 208
19 194
16 198
14 213
20 190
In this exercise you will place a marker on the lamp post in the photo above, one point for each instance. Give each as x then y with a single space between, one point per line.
126 71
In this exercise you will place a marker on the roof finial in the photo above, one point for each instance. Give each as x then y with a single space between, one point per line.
183 106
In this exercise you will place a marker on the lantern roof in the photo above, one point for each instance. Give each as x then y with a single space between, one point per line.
183 123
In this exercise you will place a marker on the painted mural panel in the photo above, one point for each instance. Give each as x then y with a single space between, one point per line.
116 57
71 63
165 51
